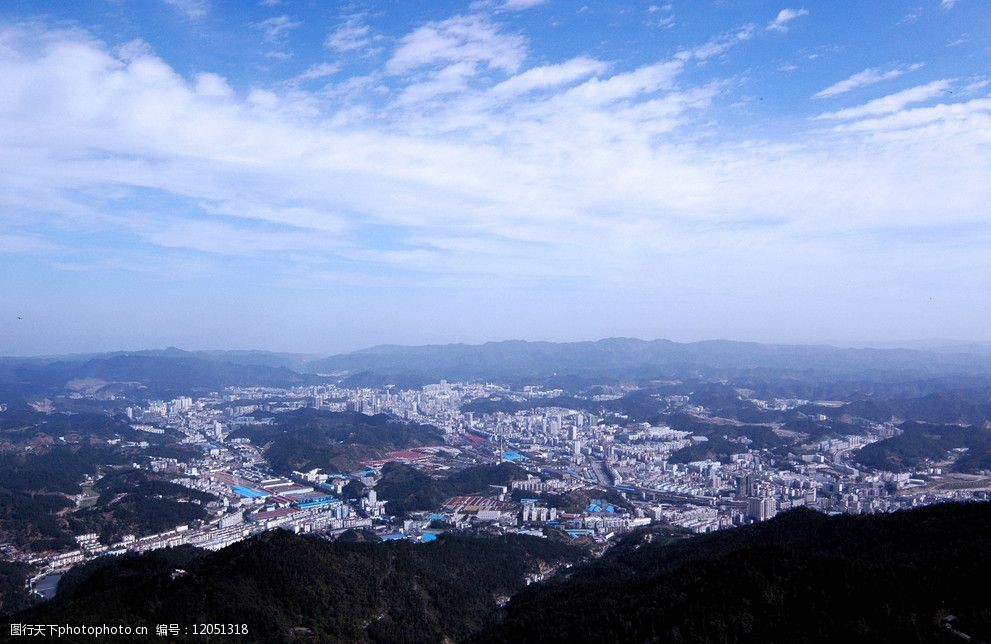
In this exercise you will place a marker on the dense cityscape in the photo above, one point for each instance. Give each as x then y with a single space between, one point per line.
623 474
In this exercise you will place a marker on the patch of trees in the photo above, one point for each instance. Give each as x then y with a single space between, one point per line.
32 489
971 407
407 489
308 438
922 442
13 596
134 502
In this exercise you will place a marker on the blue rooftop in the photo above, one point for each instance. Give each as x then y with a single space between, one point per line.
248 493
315 502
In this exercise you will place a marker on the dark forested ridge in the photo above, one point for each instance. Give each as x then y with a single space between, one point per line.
801 577
277 582
13 595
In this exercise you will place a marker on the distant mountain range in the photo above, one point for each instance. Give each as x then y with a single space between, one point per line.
171 372
936 345
633 358
566 364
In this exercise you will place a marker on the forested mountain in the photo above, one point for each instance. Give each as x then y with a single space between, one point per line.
282 585
801 577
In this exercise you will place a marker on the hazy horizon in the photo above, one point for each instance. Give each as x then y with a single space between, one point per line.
941 345
323 178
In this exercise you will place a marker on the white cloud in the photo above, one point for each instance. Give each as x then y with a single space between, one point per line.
973 117
645 80
193 9
317 71
717 46
869 76
947 4
351 35
449 80
462 39
892 102
549 76
780 23
663 23
277 28
572 170
214 85
975 86
518 5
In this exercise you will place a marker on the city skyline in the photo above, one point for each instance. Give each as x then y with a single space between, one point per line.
300 177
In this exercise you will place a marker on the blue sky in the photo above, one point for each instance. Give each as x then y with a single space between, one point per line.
316 176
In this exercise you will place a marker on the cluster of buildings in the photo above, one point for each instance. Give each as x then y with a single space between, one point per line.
563 450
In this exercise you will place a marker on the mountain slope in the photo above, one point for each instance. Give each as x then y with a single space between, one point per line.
277 582
802 577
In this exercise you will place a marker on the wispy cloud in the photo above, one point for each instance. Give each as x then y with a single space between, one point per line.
518 5
193 9
870 76
892 102
470 39
277 28
663 23
351 35
785 16
549 76
718 45
526 171
316 72
912 124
